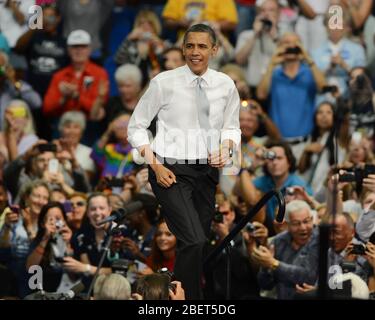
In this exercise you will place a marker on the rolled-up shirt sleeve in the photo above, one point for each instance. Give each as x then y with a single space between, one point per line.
231 126
145 111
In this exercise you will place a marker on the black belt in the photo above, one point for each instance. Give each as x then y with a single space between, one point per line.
297 140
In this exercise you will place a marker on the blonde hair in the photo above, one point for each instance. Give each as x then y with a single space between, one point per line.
151 17
233 68
29 128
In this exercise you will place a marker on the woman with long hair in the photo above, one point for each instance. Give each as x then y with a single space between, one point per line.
163 250
320 150
51 244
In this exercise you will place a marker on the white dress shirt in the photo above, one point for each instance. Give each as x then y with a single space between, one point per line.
171 96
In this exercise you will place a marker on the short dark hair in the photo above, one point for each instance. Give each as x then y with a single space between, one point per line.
288 153
200 27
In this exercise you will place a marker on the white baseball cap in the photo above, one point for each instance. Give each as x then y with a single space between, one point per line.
79 37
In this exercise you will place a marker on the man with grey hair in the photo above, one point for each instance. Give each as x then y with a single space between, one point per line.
292 257
11 88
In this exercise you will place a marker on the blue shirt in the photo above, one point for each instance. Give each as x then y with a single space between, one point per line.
352 53
266 184
293 102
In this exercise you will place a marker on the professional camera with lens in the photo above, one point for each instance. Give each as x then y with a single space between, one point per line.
121 266
356 174
218 217
171 277
269 155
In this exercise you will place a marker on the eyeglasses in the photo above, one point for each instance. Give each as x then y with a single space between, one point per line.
78 204
300 223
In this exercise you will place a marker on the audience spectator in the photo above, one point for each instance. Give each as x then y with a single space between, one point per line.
292 114
112 287
279 174
292 257
4 46
163 250
14 19
78 202
113 153
88 15
72 125
51 245
129 82
180 14
44 49
255 47
246 11
319 153
19 131
11 88
172 58
337 56
21 227
143 45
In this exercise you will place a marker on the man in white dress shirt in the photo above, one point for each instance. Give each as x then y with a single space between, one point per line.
197 132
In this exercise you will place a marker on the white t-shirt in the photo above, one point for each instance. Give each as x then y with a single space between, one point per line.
9 26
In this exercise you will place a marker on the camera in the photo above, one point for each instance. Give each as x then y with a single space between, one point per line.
267 24
47 147
330 89
218 217
171 276
250 228
290 191
356 174
121 266
359 249
293 50
269 155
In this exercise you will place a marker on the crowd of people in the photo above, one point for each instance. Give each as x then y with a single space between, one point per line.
307 118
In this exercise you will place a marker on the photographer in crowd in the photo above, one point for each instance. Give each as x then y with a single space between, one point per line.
51 245
279 169
291 69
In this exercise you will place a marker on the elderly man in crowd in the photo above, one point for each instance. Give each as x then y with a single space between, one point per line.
292 258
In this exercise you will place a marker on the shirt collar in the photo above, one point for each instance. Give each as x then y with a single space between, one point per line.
191 76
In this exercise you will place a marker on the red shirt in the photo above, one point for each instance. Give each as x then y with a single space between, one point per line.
88 86
169 264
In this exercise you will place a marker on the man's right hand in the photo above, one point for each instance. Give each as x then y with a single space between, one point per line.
164 176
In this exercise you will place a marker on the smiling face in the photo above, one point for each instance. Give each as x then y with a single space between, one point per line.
198 49
38 198
165 240
300 226
98 209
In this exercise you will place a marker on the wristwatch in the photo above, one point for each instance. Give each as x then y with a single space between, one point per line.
275 264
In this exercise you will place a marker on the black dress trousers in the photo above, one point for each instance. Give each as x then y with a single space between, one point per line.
189 206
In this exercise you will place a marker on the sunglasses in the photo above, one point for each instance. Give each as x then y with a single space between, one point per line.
78 204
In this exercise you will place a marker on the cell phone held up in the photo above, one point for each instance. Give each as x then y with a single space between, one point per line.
47 147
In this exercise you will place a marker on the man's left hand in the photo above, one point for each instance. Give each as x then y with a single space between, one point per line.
218 159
